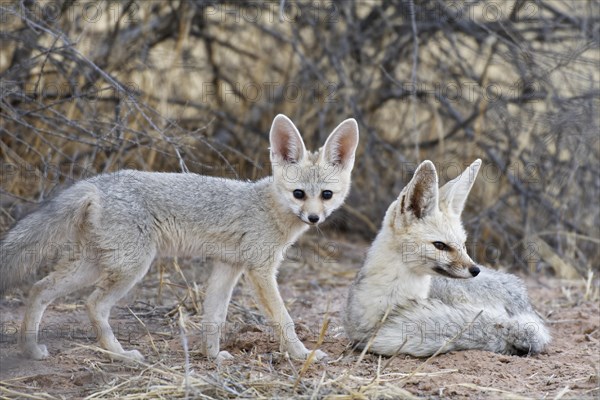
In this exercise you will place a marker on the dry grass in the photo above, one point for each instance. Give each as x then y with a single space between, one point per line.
176 369
169 86
176 86
145 381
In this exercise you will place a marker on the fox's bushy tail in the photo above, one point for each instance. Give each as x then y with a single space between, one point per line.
40 235
422 328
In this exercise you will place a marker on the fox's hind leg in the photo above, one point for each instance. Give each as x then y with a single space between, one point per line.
73 276
218 294
113 286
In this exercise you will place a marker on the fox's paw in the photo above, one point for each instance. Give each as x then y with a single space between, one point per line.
128 355
305 353
222 356
134 355
36 351
320 355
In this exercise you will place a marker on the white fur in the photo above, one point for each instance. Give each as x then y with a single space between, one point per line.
128 218
399 303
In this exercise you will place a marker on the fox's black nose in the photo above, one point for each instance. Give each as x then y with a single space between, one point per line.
313 218
474 270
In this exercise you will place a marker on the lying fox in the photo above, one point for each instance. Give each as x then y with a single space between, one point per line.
419 292
128 218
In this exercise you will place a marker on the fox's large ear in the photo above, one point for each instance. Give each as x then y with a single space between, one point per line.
420 197
340 146
286 143
453 194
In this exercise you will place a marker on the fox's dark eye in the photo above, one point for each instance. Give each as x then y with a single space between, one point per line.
299 194
327 194
441 246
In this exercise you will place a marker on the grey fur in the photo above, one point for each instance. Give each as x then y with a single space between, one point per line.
29 245
490 312
398 302
109 228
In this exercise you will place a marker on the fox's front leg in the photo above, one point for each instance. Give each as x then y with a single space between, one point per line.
218 294
268 297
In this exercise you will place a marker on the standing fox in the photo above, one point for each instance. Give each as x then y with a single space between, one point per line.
126 219
419 292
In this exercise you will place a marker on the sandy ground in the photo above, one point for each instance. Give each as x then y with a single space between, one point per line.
314 284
